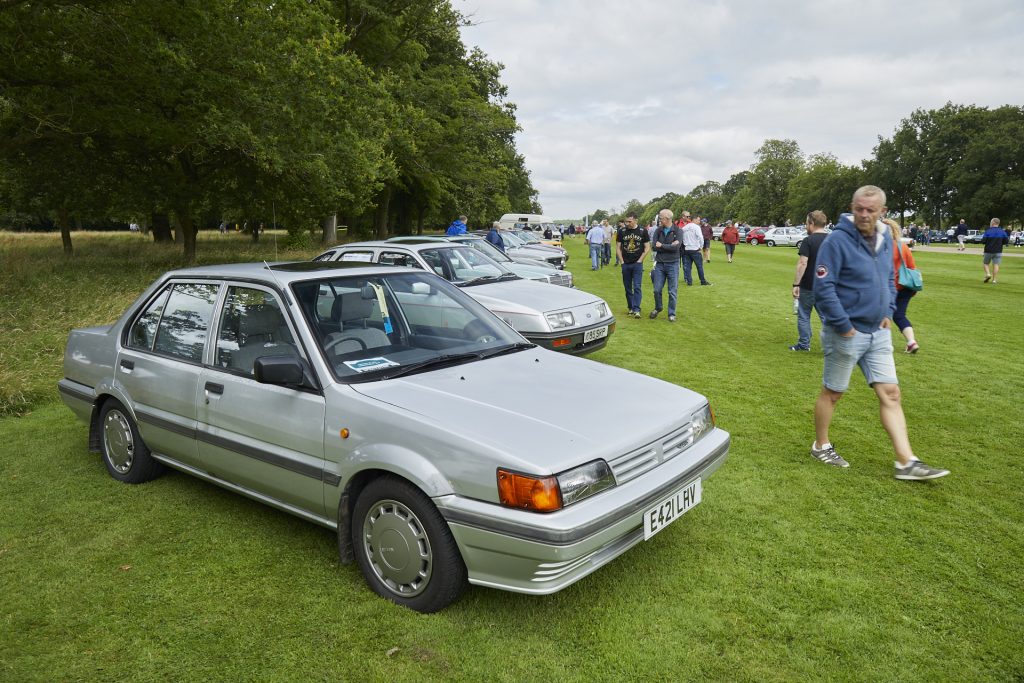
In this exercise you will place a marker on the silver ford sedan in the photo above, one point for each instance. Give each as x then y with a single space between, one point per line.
389 406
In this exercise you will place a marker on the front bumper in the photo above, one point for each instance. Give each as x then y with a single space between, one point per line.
572 341
540 554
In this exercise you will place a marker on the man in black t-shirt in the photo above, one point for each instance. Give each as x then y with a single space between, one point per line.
632 245
803 282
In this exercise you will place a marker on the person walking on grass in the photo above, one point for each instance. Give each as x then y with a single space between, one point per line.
667 241
995 238
595 239
961 235
631 249
803 279
856 295
901 255
707 233
730 238
693 242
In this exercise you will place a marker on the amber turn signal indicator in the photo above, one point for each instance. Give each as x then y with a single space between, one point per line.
540 494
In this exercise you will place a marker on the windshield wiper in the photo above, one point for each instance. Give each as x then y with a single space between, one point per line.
508 276
447 359
510 348
483 279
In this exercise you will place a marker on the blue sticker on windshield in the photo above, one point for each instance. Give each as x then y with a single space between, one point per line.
387 326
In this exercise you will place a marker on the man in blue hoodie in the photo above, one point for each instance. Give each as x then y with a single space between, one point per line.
855 294
458 227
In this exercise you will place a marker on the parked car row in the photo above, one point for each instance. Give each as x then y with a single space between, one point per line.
369 395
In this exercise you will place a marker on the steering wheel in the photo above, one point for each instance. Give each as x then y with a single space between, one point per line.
334 342
478 332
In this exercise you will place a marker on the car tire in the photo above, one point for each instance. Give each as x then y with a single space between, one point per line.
770 243
753 242
797 245
404 547
126 456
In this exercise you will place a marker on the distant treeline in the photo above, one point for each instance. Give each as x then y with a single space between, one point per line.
939 165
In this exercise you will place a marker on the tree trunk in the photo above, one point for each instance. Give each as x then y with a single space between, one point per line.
65 231
381 217
161 228
419 220
330 226
257 228
186 232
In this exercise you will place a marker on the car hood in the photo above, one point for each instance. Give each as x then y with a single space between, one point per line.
539 410
528 296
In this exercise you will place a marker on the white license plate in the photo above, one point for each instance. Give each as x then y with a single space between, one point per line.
597 333
671 509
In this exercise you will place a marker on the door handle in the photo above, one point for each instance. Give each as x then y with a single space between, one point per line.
127 364
215 388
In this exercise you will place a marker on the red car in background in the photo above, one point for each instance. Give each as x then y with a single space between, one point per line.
755 236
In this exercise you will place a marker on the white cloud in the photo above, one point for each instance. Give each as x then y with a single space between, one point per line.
632 100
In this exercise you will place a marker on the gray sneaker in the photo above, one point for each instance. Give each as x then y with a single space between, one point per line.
828 456
918 471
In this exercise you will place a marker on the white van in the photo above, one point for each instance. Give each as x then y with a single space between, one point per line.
529 221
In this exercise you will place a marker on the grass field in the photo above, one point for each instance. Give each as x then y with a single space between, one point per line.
788 570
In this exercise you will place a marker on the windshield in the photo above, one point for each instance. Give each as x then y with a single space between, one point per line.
375 327
488 249
463 265
527 236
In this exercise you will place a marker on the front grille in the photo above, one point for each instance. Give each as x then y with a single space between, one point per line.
561 279
636 462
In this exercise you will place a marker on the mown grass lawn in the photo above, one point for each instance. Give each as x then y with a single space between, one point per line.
788 570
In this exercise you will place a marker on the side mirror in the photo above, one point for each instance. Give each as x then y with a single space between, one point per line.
283 370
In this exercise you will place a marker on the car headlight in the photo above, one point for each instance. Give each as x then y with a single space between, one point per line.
561 320
551 493
703 421
584 481
602 310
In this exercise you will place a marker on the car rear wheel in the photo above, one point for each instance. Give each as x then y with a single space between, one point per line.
770 243
797 245
753 242
404 548
126 456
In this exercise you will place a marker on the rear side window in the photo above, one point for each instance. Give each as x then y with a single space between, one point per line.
143 332
185 323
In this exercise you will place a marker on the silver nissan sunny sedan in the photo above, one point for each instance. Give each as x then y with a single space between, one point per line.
389 406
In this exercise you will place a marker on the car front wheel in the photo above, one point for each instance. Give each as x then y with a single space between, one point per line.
404 548
753 242
770 243
127 458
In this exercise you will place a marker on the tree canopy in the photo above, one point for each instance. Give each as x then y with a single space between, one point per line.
371 109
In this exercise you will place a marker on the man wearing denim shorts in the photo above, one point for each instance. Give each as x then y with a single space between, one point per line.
856 296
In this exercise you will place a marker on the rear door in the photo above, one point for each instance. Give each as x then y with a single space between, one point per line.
161 362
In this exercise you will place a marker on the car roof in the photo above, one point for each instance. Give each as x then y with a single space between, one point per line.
412 246
281 272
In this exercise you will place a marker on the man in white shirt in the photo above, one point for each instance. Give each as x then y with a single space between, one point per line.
693 242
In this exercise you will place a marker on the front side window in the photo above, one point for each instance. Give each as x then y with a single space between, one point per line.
252 325
186 321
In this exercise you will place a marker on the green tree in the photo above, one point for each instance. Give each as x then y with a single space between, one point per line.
823 184
989 177
778 162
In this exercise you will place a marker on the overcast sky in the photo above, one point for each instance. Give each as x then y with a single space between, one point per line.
631 99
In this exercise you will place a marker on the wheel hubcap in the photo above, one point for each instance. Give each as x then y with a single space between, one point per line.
118 443
397 547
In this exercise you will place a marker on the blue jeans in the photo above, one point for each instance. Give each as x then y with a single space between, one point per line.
606 253
595 256
696 258
632 277
803 318
666 271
